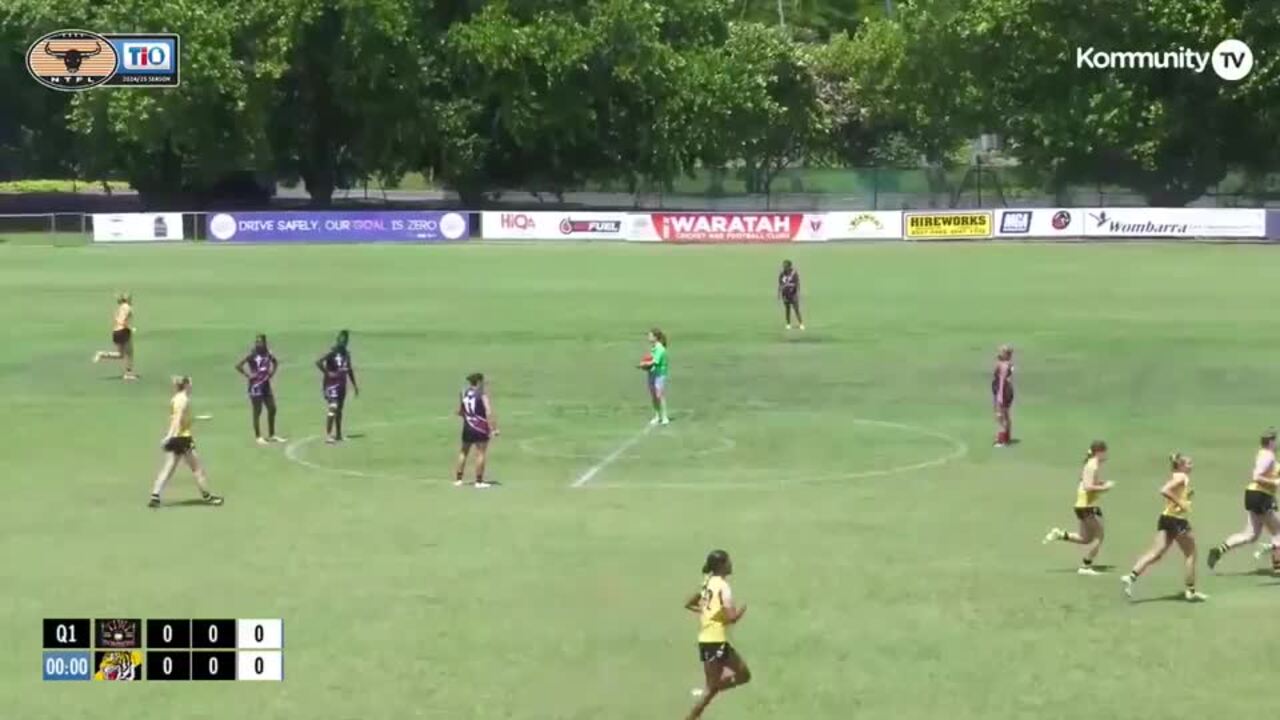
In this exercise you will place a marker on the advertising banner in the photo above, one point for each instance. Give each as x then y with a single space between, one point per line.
868 225
553 225
1175 223
1040 223
1273 225
336 227
962 225
700 227
137 227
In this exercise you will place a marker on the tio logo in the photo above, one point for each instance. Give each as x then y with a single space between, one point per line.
1232 60
146 56
513 221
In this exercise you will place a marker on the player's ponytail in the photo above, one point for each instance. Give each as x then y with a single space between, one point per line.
343 337
1268 437
661 336
475 379
1095 447
1175 461
181 382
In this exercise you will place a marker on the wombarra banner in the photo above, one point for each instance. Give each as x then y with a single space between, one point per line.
336 227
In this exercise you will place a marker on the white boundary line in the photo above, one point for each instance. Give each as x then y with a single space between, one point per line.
532 447
594 470
959 449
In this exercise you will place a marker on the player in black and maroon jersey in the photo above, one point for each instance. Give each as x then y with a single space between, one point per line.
478 426
258 367
789 292
336 369
1002 395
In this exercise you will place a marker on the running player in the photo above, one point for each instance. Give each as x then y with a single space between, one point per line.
1259 505
180 445
1173 527
1088 492
336 369
655 365
259 367
121 336
478 427
789 292
1002 395
722 667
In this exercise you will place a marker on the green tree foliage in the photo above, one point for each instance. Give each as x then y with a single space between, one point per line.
555 94
1169 134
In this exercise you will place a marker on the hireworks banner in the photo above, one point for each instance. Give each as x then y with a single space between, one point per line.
947 225
336 227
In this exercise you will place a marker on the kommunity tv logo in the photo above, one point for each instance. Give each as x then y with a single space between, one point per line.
1231 60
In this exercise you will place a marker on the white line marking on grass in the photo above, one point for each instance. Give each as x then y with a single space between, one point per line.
618 452
959 449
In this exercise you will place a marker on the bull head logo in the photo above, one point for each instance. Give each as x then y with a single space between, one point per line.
73 58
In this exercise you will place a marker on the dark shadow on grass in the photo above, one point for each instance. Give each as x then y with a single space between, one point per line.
355 436
1072 570
1176 597
194 502
1256 572
805 338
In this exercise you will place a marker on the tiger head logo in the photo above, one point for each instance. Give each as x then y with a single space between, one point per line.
119 666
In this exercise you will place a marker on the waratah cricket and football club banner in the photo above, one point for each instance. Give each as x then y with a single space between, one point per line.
336 227
539 225
713 227
1175 223
137 227
864 225
1040 223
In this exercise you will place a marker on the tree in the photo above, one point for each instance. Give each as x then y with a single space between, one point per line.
343 109
164 140
1167 133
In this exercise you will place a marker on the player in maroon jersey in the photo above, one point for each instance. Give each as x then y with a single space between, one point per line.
478 427
336 369
1002 395
789 292
259 367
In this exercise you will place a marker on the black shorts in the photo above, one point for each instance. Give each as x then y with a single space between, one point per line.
791 298
708 652
1173 526
1258 502
180 445
335 397
1006 400
121 337
1086 512
261 391
471 436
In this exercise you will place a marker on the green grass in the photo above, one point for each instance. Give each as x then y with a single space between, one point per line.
59 239
911 595
59 186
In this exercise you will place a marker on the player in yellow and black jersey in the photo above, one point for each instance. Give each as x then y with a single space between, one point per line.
722 666
121 336
1173 527
179 444
1088 494
1259 505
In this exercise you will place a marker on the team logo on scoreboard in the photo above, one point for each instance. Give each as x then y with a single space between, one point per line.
119 666
118 633
74 60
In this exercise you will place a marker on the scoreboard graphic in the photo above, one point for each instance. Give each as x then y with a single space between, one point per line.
132 649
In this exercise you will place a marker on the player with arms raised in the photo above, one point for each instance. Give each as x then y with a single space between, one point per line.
478 427
336 369
789 292
259 367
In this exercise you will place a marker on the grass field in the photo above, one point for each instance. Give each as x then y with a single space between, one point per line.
891 559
